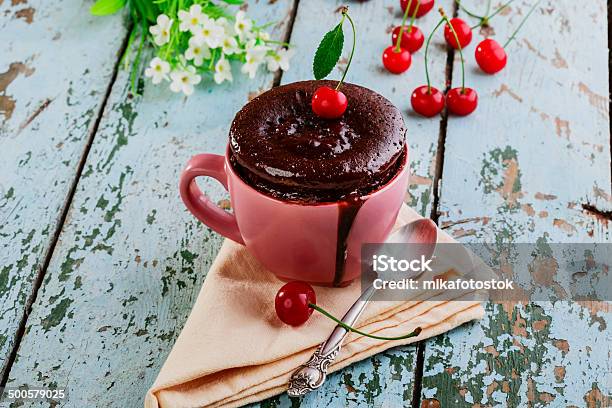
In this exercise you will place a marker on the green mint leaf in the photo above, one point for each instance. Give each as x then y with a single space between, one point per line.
106 7
328 53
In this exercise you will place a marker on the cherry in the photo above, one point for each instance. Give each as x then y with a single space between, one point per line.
396 61
292 302
296 300
427 101
463 30
412 38
425 6
329 103
326 102
490 56
462 101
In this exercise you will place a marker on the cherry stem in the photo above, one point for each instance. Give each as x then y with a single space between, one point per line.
348 64
450 27
521 24
499 9
466 11
401 31
485 20
426 49
284 44
348 328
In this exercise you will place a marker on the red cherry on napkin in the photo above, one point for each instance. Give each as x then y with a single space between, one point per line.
292 302
296 300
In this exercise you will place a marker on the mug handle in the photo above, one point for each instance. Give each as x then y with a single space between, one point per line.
221 221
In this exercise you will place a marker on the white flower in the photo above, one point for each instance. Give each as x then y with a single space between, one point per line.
197 52
243 25
223 71
264 35
210 33
184 80
254 56
257 49
158 70
230 45
280 59
192 19
227 27
161 31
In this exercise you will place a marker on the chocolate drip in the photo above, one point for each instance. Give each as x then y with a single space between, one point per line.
347 212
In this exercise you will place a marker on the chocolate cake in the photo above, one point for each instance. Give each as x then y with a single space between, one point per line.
280 147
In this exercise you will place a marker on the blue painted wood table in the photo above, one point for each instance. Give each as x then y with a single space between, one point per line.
100 263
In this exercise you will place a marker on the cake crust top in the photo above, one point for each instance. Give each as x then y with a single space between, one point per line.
279 145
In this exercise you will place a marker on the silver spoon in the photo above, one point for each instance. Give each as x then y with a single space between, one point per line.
312 374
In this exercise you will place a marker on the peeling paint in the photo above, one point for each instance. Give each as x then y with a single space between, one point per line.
27 14
57 314
597 101
562 128
500 172
505 89
558 61
564 226
7 103
546 197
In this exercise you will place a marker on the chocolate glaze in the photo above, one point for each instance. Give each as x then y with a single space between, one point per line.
280 147
347 211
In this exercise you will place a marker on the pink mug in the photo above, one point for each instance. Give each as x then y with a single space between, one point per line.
295 241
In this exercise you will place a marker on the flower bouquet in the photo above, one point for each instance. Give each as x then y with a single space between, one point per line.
196 38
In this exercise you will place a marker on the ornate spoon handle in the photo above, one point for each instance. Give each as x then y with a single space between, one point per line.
312 374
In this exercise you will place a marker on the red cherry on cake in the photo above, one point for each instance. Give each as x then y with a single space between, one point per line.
462 101
292 302
412 38
427 101
490 56
329 103
395 61
463 30
425 6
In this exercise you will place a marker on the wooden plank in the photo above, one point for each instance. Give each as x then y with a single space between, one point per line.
130 260
386 379
520 169
53 82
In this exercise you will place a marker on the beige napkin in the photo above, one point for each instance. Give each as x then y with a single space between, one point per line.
233 349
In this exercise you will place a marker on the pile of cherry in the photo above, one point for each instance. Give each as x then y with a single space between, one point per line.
490 56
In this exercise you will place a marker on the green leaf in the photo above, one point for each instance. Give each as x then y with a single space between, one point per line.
214 11
146 9
234 2
106 7
328 53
